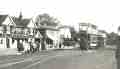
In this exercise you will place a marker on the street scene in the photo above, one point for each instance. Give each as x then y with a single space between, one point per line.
61 34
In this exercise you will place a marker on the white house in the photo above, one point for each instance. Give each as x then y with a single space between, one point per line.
50 32
64 32
12 29
6 24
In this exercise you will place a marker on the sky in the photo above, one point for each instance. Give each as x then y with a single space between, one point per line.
103 13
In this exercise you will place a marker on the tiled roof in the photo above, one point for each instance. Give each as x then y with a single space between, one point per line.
64 26
2 18
48 28
20 22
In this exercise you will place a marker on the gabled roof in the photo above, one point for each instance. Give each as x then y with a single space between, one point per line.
20 22
2 18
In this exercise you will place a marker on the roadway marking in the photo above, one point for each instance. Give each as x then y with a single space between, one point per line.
22 58
10 59
25 60
30 59
44 60
13 59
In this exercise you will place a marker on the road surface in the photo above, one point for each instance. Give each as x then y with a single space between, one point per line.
62 59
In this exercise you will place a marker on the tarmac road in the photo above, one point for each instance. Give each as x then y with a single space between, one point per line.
62 59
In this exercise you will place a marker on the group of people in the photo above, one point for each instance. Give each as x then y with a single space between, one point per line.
28 47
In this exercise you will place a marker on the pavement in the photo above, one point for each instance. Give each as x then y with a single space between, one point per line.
13 51
8 51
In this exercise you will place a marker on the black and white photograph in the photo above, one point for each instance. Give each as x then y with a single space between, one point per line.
59 34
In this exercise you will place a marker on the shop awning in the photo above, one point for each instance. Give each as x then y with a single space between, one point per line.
51 35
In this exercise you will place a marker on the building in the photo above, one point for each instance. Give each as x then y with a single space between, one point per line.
13 29
65 36
16 29
65 31
49 34
3 39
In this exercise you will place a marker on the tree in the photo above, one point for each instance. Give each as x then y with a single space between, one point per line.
74 33
46 19
112 38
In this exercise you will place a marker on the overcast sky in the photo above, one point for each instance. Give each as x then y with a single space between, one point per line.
104 13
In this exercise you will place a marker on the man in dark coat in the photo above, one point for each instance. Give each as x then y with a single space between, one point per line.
38 46
83 43
118 52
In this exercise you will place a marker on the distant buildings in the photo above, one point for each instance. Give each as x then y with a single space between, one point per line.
16 29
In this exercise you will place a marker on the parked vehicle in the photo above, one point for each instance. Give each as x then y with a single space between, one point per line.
93 44
93 41
68 42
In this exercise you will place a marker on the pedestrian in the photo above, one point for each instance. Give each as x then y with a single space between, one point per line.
117 55
83 43
31 47
38 46
60 45
34 47
26 47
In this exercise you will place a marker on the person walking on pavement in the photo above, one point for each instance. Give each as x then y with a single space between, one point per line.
79 43
38 46
83 43
34 47
26 47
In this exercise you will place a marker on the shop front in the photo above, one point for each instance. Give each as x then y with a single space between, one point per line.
17 38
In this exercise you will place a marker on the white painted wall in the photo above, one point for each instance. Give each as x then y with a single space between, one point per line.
54 35
65 32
